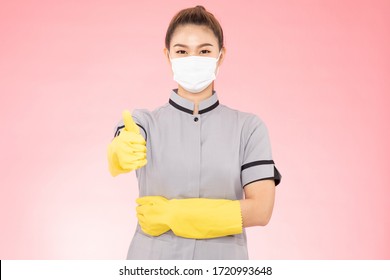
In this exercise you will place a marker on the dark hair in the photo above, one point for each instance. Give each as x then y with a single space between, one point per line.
196 15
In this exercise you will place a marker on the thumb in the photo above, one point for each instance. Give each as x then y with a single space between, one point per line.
130 125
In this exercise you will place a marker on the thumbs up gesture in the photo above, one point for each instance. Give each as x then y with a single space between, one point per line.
127 151
130 125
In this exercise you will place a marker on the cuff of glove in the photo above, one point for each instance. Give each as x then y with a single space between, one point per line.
206 218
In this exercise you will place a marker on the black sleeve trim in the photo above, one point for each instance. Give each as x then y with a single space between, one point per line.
277 178
117 132
266 178
254 163
146 135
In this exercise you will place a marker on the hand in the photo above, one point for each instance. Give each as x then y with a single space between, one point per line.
153 214
127 151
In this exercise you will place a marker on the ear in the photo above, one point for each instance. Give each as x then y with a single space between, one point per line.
222 57
166 54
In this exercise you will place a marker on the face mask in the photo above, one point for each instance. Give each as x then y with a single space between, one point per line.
194 73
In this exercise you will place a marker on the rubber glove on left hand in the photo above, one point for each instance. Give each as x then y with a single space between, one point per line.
198 218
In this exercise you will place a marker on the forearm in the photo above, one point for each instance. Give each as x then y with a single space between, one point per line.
207 218
257 207
254 214
198 218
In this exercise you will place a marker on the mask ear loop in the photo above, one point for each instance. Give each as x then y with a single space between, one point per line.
217 70
220 52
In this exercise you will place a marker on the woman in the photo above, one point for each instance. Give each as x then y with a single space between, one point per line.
194 158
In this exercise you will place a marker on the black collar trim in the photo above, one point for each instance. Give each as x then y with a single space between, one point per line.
205 110
181 108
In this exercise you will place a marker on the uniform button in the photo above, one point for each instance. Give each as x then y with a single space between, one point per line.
196 119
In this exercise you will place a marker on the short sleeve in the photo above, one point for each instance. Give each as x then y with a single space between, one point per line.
257 163
137 119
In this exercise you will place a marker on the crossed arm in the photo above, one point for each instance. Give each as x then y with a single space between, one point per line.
207 218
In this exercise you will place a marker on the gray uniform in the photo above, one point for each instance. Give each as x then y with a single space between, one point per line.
213 154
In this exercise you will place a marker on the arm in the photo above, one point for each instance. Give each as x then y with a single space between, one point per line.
259 175
256 208
207 218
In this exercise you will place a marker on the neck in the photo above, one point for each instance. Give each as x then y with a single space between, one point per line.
196 98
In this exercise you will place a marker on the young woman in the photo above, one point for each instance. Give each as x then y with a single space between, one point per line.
205 171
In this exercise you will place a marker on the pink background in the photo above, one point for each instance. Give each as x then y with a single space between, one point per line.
317 73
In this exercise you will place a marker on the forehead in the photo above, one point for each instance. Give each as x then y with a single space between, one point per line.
192 34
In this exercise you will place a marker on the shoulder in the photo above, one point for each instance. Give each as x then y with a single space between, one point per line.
142 117
247 120
146 115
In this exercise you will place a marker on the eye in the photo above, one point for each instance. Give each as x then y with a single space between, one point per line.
205 51
181 52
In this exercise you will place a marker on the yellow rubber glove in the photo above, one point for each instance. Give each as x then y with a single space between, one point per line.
198 218
127 151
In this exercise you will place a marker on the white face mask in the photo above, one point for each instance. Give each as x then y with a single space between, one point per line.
194 73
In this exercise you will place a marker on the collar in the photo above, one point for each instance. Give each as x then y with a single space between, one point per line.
187 106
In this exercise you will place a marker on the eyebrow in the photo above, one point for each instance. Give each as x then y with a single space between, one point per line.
200 46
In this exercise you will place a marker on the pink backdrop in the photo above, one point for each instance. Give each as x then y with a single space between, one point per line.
317 72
